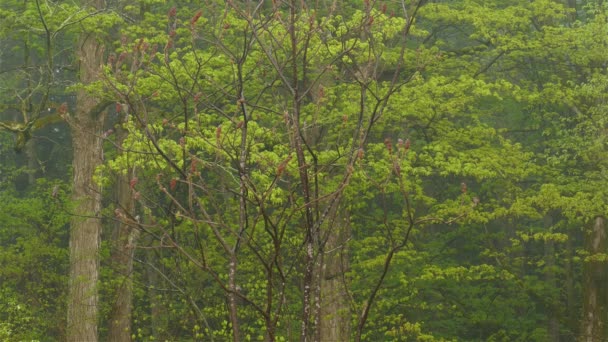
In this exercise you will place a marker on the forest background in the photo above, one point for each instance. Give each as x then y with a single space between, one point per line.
401 170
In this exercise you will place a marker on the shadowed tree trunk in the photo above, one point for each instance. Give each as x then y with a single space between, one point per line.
87 126
124 239
571 312
552 305
594 285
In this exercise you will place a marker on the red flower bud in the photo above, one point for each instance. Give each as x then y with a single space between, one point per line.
172 12
283 165
133 182
388 144
194 19
218 133
63 108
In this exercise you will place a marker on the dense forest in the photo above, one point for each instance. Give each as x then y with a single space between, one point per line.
399 170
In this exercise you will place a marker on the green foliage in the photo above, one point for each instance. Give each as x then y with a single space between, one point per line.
455 160
34 256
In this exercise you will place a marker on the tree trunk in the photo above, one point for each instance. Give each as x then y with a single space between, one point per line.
571 301
553 303
594 289
335 313
123 249
158 314
86 223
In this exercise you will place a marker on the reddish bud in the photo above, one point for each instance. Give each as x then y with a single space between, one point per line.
218 133
371 20
406 145
344 118
155 93
193 166
360 153
165 122
388 144
283 165
118 107
172 184
463 187
122 56
240 124
63 108
133 182
182 141
111 58
197 97
226 26
172 12
194 19
383 8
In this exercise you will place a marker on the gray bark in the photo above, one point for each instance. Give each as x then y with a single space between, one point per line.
86 223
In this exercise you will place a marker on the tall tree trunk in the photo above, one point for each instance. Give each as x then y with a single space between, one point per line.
85 232
594 286
158 315
123 249
553 302
571 312
335 313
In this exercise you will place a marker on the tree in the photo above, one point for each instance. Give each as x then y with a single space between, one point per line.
256 162
87 128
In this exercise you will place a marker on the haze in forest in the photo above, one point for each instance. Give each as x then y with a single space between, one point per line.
404 170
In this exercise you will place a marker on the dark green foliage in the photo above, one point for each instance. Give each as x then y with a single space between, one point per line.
34 258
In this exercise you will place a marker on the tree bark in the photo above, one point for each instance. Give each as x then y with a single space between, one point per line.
335 313
571 300
123 249
86 223
552 305
594 289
